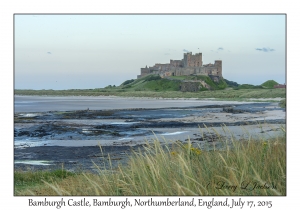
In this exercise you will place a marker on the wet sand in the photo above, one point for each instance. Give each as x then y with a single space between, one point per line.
78 156
72 138
69 103
76 159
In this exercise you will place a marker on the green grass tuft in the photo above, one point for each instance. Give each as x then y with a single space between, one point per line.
282 103
31 179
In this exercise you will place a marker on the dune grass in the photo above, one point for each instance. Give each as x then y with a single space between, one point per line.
229 94
31 179
237 167
282 103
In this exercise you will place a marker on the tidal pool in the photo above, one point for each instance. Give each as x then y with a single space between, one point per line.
65 124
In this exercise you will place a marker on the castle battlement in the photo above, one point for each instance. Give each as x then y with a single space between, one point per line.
189 65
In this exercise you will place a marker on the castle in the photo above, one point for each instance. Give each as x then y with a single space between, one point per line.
189 65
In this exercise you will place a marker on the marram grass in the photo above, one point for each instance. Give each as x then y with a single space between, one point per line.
240 167
229 94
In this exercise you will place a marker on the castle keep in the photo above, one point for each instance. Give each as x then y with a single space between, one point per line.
189 65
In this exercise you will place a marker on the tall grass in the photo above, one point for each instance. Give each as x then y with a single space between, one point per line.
238 167
219 94
31 179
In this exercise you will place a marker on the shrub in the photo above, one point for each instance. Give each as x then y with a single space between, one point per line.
128 82
231 83
152 77
248 86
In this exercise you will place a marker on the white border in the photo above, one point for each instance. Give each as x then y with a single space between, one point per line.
8 8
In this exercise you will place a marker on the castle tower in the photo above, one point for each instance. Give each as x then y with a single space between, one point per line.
218 64
198 59
190 60
185 59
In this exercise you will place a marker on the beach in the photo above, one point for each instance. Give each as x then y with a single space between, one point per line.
53 131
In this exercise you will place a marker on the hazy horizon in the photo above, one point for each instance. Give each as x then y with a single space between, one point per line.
93 51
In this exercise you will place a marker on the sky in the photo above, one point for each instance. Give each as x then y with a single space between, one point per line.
94 51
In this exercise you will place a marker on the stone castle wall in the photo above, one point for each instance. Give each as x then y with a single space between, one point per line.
190 64
190 86
176 63
190 60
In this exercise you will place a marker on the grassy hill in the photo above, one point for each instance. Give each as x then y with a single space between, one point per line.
269 84
266 85
151 83
156 83
214 85
155 86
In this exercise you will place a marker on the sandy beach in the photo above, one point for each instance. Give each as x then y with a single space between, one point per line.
50 131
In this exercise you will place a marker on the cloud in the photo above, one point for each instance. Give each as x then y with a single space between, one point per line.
184 50
220 48
167 53
264 49
49 53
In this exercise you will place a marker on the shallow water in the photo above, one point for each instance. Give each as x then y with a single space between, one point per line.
67 103
129 122
34 162
38 128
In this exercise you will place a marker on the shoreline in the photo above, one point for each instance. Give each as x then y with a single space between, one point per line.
66 137
91 158
275 99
